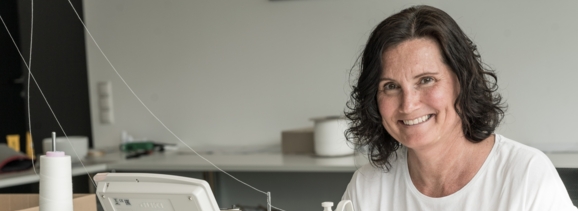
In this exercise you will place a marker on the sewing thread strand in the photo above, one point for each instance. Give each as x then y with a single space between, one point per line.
45 100
30 75
28 85
146 107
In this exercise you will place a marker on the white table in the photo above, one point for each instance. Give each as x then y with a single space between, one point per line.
269 162
257 162
26 177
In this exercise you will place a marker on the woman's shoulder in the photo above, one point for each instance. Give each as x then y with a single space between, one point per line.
513 156
370 181
515 151
529 172
369 172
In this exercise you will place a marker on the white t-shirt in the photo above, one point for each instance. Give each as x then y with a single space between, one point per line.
513 177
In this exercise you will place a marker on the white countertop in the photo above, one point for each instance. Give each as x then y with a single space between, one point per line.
251 162
90 167
275 162
25 177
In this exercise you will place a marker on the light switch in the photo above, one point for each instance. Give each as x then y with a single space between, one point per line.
106 117
104 88
105 102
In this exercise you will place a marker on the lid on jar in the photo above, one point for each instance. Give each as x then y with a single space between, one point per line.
326 118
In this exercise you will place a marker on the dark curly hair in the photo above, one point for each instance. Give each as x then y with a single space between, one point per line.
478 104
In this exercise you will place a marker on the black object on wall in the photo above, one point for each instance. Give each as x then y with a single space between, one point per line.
12 112
59 66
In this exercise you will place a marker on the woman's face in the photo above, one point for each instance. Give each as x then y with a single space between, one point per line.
416 95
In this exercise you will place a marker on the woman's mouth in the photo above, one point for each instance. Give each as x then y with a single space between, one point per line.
416 120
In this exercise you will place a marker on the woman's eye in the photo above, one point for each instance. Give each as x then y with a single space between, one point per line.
389 86
426 80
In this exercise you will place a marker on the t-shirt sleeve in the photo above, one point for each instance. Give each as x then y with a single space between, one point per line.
350 190
356 190
347 194
543 188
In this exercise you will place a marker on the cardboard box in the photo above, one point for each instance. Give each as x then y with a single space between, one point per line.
297 141
29 202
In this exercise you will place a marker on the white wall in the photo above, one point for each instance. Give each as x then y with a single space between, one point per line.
238 72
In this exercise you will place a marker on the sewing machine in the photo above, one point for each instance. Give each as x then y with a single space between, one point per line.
142 191
139 191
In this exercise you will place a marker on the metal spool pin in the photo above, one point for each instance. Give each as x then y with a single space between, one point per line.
54 141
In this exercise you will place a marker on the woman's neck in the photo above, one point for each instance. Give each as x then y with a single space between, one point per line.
445 168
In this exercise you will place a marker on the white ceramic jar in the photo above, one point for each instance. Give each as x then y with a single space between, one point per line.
329 136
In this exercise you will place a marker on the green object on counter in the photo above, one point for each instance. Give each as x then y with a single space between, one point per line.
137 146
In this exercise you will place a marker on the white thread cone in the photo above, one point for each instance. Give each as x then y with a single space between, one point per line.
55 183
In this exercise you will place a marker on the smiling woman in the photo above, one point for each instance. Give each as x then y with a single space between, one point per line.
426 108
416 95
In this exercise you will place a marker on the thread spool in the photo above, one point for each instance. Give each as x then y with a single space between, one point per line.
55 182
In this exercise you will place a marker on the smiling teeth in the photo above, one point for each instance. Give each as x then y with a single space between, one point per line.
417 121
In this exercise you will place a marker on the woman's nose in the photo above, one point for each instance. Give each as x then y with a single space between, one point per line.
410 101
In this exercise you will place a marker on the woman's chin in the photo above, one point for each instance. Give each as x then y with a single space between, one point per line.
416 142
